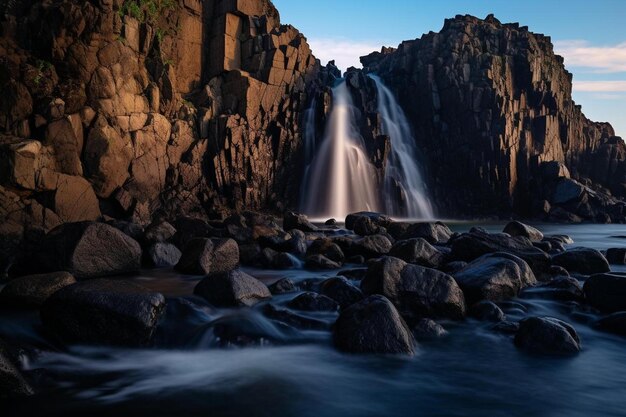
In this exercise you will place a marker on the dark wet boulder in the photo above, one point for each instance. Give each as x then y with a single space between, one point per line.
376 218
417 251
487 311
327 248
584 261
558 271
364 226
433 233
278 260
613 323
103 311
520 229
560 289
298 221
34 290
232 289
567 190
416 291
251 254
296 245
470 246
12 382
310 301
494 277
159 232
506 327
283 286
428 329
188 228
320 262
371 246
373 326
162 255
606 292
204 256
547 336
133 230
342 291
453 267
356 274
294 319
331 222
243 329
89 250
616 256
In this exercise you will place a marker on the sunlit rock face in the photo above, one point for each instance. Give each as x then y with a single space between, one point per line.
192 110
489 103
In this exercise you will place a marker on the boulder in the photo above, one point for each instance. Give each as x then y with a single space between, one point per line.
433 233
320 262
428 329
560 288
103 311
487 311
163 255
417 251
283 286
299 222
567 190
159 232
12 382
232 289
371 246
606 292
328 248
204 256
547 336
34 290
470 246
584 261
616 256
310 301
373 326
342 291
376 218
523 230
89 250
293 319
364 226
613 323
494 278
416 291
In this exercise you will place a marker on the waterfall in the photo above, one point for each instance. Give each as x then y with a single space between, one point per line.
404 189
340 179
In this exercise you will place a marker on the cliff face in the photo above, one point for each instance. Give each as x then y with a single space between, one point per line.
491 105
128 109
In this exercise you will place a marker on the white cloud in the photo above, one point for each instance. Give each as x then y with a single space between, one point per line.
600 59
345 52
600 86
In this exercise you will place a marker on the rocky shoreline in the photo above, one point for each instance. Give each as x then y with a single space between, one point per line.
397 284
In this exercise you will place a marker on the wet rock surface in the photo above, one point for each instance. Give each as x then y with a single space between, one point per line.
232 289
33 290
547 336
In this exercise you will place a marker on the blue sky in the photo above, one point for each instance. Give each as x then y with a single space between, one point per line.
591 35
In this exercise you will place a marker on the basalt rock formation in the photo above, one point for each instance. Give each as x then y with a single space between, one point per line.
138 109
492 110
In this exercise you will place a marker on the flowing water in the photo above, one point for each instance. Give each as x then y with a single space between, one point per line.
471 372
340 179
404 189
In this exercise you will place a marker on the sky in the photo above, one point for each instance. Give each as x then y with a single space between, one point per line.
591 35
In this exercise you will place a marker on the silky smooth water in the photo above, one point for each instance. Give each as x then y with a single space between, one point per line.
471 372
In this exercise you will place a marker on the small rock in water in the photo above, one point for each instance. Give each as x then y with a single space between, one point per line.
547 336
159 232
377 218
298 221
616 256
373 326
584 261
524 230
417 251
204 256
293 319
310 301
371 246
103 311
331 222
606 292
487 311
163 255
320 262
283 286
342 291
34 290
232 289
428 329
561 289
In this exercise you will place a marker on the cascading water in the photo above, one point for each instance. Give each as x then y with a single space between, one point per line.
402 175
340 179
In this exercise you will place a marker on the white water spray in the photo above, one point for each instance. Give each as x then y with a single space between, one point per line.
341 179
404 189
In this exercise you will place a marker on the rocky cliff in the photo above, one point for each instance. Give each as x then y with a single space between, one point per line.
492 110
135 109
